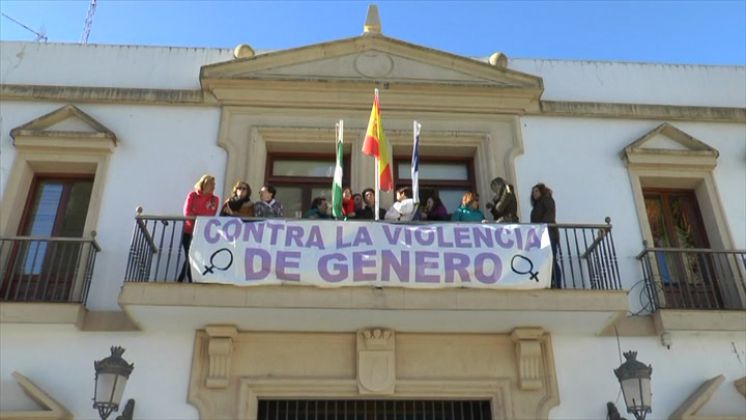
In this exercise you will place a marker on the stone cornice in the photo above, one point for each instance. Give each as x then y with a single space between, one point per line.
186 97
108 95
642 111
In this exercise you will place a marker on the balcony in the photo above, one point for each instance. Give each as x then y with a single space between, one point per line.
590 297
695 289
45 280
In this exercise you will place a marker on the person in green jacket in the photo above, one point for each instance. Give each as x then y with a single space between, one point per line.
469 209
319 209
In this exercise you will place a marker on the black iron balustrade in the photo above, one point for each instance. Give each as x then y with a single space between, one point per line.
586 257
46 269
680 278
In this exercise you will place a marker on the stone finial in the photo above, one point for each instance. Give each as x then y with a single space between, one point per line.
499 59
372 21
243 51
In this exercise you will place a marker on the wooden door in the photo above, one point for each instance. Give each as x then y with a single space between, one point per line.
45 269
687 278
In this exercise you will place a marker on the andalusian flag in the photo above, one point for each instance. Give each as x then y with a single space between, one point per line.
376 145
337 183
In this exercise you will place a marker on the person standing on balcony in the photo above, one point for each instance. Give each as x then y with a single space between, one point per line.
240 204
469 209
348 204
319 209
267 206
200 202
369 204
434 209
403 208
504 207
544 211
357 198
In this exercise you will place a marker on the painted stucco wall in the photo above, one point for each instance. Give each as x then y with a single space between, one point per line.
642 83
580 159
163 150
161 153
125 66
584 366
178 68
60 361
586 380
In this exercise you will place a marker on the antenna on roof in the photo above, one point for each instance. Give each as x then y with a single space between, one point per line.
40 36
88 22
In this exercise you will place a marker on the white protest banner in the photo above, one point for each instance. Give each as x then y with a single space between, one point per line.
336 253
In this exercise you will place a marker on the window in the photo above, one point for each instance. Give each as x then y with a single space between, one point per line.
46 269
54 190
679 207
300 178
449 178
375 409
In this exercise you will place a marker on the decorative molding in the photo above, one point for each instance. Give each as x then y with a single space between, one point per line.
692 153
52 409
529 358
196 97
219 349
376 361
498 391
93 94
485 74
40 134
641 111
689 409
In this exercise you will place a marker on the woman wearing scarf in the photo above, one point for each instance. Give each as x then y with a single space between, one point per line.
239 204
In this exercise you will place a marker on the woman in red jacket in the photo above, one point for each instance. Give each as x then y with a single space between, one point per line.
200 202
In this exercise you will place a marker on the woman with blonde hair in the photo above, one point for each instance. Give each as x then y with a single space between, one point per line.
469 209
239 204
200 202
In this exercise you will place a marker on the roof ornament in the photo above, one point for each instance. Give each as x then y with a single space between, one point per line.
243 51
372 21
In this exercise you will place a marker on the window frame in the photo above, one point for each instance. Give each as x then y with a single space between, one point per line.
306 183
38 178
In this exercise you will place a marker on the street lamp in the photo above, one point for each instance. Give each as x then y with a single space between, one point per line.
634 378
111 378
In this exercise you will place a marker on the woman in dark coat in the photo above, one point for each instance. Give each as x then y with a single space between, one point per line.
504 207
544 211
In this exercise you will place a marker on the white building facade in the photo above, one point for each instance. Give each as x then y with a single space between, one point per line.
99 146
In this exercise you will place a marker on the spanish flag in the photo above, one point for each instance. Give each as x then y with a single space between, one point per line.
376 145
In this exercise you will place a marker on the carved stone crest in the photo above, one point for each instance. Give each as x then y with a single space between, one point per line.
376 362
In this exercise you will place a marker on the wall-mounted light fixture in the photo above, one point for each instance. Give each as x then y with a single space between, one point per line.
112 374
634 378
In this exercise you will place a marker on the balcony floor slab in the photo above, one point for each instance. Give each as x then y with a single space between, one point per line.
172 306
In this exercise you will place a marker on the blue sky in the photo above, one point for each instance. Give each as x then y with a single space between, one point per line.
703 32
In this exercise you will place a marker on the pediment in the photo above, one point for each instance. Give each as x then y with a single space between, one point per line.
70 124
670 145
370 58
692 407
29 401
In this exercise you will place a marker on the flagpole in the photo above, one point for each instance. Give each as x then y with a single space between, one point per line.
378 190
377 176
415 175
